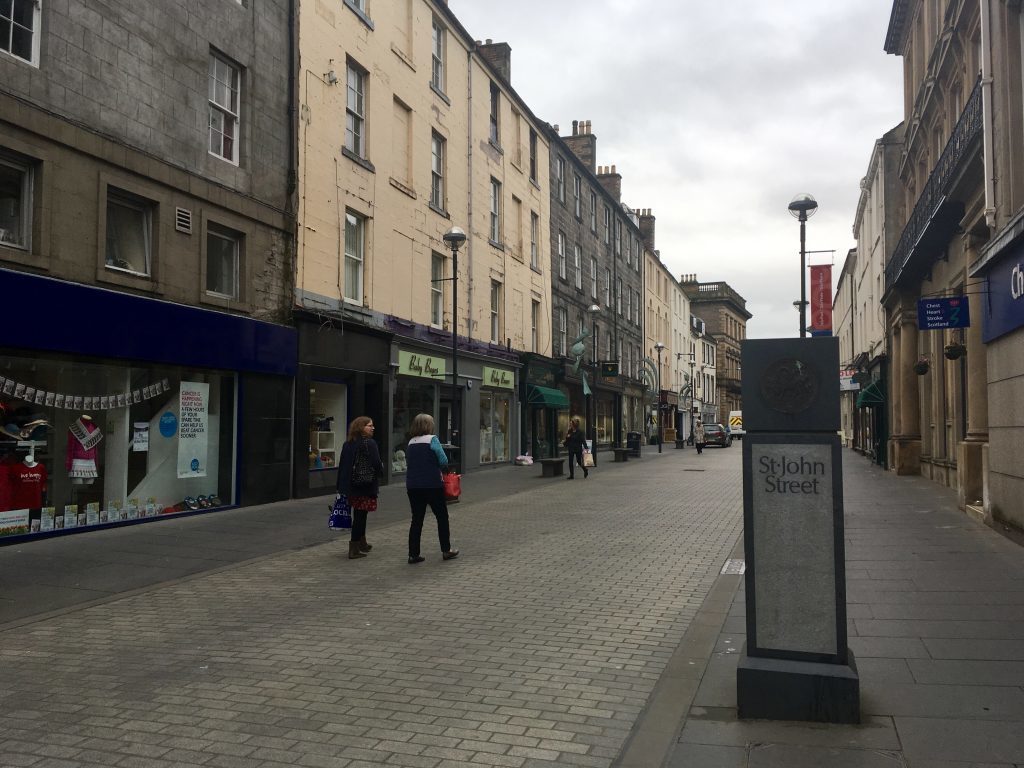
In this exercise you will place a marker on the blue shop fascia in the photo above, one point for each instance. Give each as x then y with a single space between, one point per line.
119 409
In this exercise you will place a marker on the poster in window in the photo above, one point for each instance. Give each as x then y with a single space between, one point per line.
193 428
46 517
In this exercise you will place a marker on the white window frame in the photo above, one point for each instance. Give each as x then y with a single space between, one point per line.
437 54
534 246
618 295
495 231
593 278
495 114
355 109
607 225
7 45
355 256
561 255
534 322
563 331
131 202
533 155
608 288
437 166
26 204
437 289
577 261
577 193
560 178
227 75
593 212
236 239
495 312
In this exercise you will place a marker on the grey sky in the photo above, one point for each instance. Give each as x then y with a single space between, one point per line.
716 115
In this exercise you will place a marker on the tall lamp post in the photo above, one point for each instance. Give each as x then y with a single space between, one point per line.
802 207
594 310
659 346
693 384
454 238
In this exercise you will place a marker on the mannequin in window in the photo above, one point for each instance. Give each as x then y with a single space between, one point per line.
27 481
83 438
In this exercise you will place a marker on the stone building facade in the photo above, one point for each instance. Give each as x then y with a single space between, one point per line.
408 128
596 247
146 239
725 314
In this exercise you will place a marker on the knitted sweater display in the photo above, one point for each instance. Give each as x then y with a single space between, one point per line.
83 439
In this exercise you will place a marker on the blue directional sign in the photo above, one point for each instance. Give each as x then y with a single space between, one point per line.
943 312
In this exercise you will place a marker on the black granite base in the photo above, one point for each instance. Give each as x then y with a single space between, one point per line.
776 689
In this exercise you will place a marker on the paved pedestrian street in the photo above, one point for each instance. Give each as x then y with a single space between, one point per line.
538 646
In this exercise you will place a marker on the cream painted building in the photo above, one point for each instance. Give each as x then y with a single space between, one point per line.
658 326
407 128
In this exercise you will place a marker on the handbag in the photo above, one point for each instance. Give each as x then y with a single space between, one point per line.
341 515
588 459
363 472
452 486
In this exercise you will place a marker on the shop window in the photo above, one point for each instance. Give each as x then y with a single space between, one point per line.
328 423
495 408
15 203
86 444
129 232
411 398
223 258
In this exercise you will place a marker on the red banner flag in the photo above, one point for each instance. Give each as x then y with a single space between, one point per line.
821 298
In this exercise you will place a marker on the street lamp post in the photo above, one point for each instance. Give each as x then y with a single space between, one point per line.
454 238
594 310
693 384
659 346
802 207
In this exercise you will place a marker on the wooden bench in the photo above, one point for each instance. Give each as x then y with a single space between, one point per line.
621 454
552 467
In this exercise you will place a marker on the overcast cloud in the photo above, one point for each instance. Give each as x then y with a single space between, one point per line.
716 115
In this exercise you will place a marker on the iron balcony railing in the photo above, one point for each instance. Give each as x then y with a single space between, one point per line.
965 133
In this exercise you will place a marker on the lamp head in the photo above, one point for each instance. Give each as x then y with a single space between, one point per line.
594 309
659 346
803 206
454 237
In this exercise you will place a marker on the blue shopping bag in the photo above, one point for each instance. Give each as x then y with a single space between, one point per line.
341 515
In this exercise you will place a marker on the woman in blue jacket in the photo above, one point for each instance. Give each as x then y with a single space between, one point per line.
425 487
359 472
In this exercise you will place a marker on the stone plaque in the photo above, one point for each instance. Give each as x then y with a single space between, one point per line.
790 385
792 507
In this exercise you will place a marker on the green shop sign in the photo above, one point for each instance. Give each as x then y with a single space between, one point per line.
423 366
499 377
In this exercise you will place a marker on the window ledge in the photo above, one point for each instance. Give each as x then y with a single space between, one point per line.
358 160
496 244
536 269
439 211
440 94
126 279
224 302
496 146
362 16
534 182
405 190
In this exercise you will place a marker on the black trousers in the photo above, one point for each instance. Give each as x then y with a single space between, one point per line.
419 500
358 524
575 457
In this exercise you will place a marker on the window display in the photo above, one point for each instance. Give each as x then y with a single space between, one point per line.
129 442
411 398
495 409
328 409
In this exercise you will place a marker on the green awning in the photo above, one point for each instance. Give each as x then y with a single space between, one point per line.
871 396
546 397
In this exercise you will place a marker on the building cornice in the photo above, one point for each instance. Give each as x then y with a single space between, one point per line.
894 36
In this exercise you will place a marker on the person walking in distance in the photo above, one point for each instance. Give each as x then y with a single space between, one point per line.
425 487
359 473
574 442
698 436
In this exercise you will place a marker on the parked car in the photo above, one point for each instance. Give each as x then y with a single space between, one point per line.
716 434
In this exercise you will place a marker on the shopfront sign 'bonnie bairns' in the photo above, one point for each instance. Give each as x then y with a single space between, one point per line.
796 664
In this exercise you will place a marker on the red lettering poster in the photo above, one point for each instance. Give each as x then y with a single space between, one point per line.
821 297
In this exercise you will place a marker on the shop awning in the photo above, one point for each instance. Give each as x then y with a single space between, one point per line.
546 397
871 396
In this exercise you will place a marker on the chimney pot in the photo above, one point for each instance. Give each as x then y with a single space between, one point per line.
575 127
555 126
489 41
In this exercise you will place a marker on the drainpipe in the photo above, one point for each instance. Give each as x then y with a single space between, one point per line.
986 114
469 171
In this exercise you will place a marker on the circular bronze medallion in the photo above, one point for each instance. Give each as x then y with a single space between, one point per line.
789 385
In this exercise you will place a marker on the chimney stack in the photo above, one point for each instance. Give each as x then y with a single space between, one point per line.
583 144
499 56
611 180
647 227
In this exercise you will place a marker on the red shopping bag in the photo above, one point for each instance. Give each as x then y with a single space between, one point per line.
452 486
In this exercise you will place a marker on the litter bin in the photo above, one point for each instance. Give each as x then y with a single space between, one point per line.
633 443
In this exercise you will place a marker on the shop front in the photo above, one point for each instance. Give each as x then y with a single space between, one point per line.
600 415
343 373
103 425
543 400
633 408
481 428
669 402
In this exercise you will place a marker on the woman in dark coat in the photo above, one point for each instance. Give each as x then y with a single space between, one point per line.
359 470
574 442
